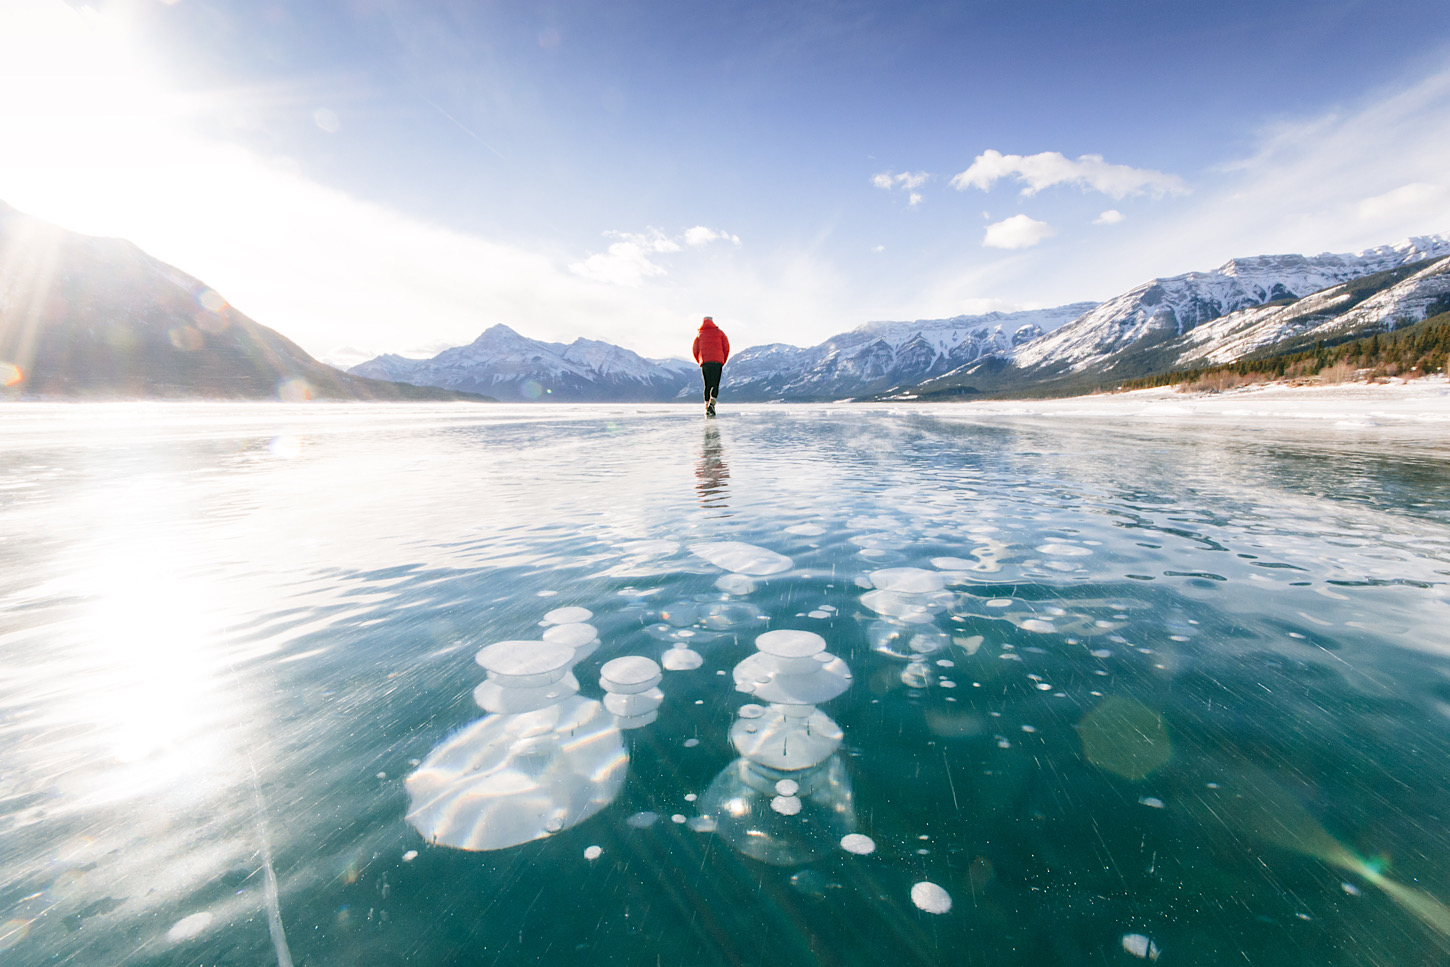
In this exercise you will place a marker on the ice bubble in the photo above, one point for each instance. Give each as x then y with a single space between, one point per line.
632 673
811 883
742 558
526 663
1029 729
410 856
547 594
952 563
912 608
508 779
971 643
566 616
930 897
574 634
493 696
806 530
751 711
188 927
787 787
999 603
703 824
1044 687
1063 550
691 743
858 843
1102 653
592 853
631 705
678 818
679 659
911 580
1039 625
790 644
382 775
783 681
787 742
1140 946
786 805
1152 802
735 584
642 820
690 797
819 614
1349 888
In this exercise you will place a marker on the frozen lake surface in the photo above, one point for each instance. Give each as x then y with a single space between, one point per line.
832 685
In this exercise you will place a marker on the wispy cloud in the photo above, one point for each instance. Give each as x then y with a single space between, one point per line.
1039 171
700 235
1019 231
907 181
629 261
1110 217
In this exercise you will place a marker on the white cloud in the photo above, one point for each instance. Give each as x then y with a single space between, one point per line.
628 263
700 235
1039 171
878 248
1019 231
1411 199
625 263
1110 217
907 181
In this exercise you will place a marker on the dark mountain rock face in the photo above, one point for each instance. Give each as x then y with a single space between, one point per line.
96 317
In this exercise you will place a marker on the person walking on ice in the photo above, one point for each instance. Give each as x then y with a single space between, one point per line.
711 349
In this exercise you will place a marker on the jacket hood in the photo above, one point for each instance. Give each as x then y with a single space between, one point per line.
708 324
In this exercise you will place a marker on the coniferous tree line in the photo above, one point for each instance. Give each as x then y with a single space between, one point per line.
1409 352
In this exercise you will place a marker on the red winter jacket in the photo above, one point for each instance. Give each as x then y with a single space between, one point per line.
711 345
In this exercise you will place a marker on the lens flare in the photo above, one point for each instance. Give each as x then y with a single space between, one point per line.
10 374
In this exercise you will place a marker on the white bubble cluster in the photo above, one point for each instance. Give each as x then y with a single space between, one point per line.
741 558
931 898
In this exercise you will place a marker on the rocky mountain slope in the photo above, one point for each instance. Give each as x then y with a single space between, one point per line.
1246 306
99 318
503 364
881 356
875 357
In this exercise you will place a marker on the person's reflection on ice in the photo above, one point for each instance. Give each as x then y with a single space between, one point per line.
712 473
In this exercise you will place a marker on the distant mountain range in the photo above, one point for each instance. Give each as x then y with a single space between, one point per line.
99 318
82 316
505 365
1246 306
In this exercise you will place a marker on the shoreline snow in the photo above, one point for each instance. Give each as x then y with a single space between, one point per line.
1400 402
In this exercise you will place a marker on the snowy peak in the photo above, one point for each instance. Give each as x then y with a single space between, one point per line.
507 365
1167 308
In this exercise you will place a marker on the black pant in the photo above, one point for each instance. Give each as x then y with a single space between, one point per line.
711 372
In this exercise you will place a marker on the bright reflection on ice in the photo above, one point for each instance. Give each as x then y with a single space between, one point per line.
508 779
742 558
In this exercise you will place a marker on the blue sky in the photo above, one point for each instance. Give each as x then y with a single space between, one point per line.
381 175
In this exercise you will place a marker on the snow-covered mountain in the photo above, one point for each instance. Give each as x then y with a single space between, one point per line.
91 317
1242 307
880 356
1378 303
1164 309
869 359
505 365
